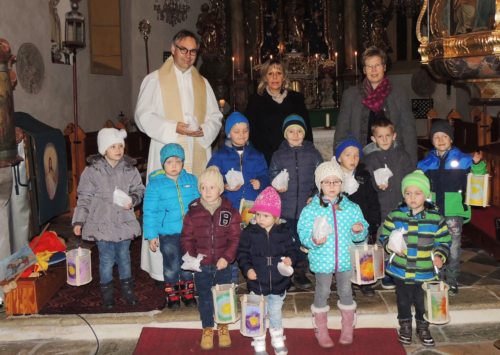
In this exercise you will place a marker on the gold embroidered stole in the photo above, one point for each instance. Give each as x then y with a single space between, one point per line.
195 161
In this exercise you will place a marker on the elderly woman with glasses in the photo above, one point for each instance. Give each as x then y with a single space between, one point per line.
267 109
373 98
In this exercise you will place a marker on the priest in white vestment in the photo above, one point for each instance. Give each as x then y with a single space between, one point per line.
177 105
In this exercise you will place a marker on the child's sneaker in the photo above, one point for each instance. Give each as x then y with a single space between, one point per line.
207 339
453 290
404 334
388 283
424 333
224 337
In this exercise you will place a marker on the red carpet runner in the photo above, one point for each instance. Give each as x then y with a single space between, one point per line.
371 341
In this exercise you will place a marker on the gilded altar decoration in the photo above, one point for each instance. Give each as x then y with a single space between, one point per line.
171 11
462 44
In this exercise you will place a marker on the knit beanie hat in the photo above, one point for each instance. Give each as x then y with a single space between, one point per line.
346 143
234 118
441 126
171 150
418 179
109 136
211 174
328 168
268 201
294 120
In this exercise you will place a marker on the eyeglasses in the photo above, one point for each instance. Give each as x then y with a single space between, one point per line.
332 183
185 51
374 66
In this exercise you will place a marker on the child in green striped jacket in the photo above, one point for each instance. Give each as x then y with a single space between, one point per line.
428 243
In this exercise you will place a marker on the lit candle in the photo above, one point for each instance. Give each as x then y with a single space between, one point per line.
222 102
356 62
271 57
327 120
232 58
317 64
251 69
336 64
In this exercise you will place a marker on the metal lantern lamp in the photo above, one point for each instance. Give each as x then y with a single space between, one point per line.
74 28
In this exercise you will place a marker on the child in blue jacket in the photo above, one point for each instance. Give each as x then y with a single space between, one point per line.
238 154
168 194
447 168
329 254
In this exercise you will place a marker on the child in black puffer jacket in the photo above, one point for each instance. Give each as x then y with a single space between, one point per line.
263 244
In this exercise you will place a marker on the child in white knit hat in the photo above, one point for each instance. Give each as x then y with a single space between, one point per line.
327 227
109 188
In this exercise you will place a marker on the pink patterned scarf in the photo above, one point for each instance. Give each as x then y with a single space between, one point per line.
375 98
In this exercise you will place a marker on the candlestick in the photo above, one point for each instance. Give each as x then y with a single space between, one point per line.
233 66
251 69
356 62
336 64
327 120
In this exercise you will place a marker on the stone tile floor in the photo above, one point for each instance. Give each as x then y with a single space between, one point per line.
474 327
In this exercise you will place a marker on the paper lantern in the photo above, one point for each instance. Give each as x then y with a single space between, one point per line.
367 263
436 302
253 316
225 303
478 190
78 267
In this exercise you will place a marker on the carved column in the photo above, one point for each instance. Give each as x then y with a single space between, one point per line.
351 39
240 89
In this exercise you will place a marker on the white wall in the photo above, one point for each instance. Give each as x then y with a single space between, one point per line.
100 97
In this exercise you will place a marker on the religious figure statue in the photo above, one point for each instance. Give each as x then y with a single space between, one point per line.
464 14
206 26
295 12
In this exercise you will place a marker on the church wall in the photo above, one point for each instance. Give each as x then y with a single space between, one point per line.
100 97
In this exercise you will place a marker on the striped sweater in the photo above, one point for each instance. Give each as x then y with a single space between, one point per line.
427 235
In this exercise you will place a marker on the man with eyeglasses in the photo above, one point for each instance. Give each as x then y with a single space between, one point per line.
177 105
373 98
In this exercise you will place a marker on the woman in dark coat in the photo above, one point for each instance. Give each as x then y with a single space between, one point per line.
267 109
373 98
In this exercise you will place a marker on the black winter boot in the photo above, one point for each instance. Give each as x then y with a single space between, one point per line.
187 293
299 278
424 333
127 286
108 299
173 298
405 331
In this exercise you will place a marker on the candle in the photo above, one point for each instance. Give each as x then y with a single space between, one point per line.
232 58
251 69
317 64
336 64
327 120
271 57
356 62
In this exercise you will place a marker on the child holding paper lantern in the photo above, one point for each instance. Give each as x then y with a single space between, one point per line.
101 216
327 227
299 158
265 255
447 168
427 242
212 228
240 158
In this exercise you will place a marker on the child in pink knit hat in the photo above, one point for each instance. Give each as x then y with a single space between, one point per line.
264 243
